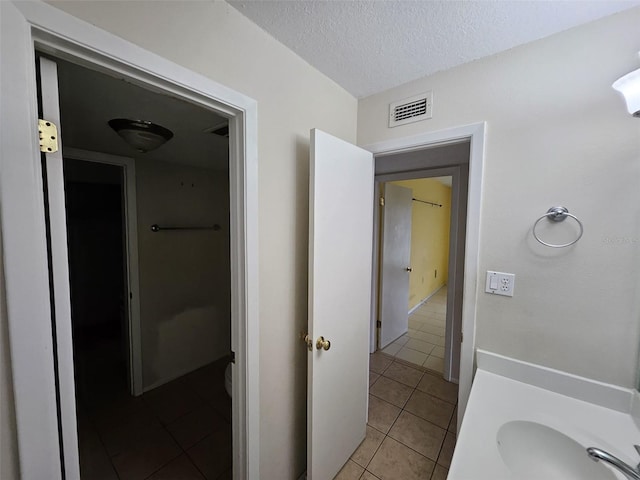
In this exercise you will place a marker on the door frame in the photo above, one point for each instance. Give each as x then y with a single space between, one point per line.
475 134
30 26
131 255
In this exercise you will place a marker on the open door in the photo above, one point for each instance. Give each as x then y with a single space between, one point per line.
56 221
340 260
395 263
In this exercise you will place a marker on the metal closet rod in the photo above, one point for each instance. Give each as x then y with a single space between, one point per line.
428 203
156 228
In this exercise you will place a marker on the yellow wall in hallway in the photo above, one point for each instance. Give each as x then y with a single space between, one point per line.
429 237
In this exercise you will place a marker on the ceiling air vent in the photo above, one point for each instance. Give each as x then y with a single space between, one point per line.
411 110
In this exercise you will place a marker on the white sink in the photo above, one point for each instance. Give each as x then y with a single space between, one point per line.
533 451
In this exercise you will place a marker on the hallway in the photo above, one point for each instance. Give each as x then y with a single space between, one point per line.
423 344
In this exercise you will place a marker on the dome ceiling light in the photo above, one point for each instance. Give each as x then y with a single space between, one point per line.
142 135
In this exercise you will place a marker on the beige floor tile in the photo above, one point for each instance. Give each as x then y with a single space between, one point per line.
391 391
207 381
368 476
179 469
419 345
424 337
434 330
447 450
395 461
212 455
403 374
129 431
381 414
392 348
434 363
422 436
363 455
415 323
143 459
439 387
453 424
94 461
378 363
429 338
412 356
430 408
373 376
438 352
439 473
193 427
228 475
402 340
221 403
173 400
411 332
350 471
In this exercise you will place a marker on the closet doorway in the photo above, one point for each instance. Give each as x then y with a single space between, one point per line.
148 255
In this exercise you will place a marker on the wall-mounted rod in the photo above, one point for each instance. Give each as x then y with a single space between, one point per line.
156 228
428 203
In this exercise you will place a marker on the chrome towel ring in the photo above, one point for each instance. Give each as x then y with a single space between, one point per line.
557 214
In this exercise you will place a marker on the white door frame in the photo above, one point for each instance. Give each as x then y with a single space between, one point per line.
475 134
131 254
25 27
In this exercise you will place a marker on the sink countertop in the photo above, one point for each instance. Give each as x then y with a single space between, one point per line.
496 400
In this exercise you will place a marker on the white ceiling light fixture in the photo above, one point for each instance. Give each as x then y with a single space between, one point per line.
629 87
142 135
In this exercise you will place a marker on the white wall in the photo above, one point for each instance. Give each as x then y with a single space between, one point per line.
8 449
185 295
215 40
557 133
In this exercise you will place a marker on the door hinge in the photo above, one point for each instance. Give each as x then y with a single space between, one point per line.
48 136
461 337
233 357
382 201
379 324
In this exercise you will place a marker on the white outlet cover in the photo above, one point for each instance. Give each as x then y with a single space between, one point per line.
502 284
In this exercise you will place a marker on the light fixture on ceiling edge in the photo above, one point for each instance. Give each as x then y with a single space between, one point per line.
629 87
142 135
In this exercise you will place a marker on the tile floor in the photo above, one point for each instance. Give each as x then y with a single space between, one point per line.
179 431
411 428
423 344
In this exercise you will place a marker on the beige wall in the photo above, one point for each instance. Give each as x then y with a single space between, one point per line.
185 296
557 133
429 238
213 39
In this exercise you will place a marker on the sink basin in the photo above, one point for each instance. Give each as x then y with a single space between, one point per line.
533 451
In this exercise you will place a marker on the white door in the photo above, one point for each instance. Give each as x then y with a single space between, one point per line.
340 259
59 268
395 266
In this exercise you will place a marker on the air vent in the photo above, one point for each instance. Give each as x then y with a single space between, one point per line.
411 110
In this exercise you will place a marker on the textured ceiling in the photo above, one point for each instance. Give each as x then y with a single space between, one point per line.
370 46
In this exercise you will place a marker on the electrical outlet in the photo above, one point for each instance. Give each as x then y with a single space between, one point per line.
500 283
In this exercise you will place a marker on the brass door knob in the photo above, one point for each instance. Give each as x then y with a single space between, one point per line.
323 344
308 342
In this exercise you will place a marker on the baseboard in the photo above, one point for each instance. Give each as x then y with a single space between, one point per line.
179 374
581 388
425 300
